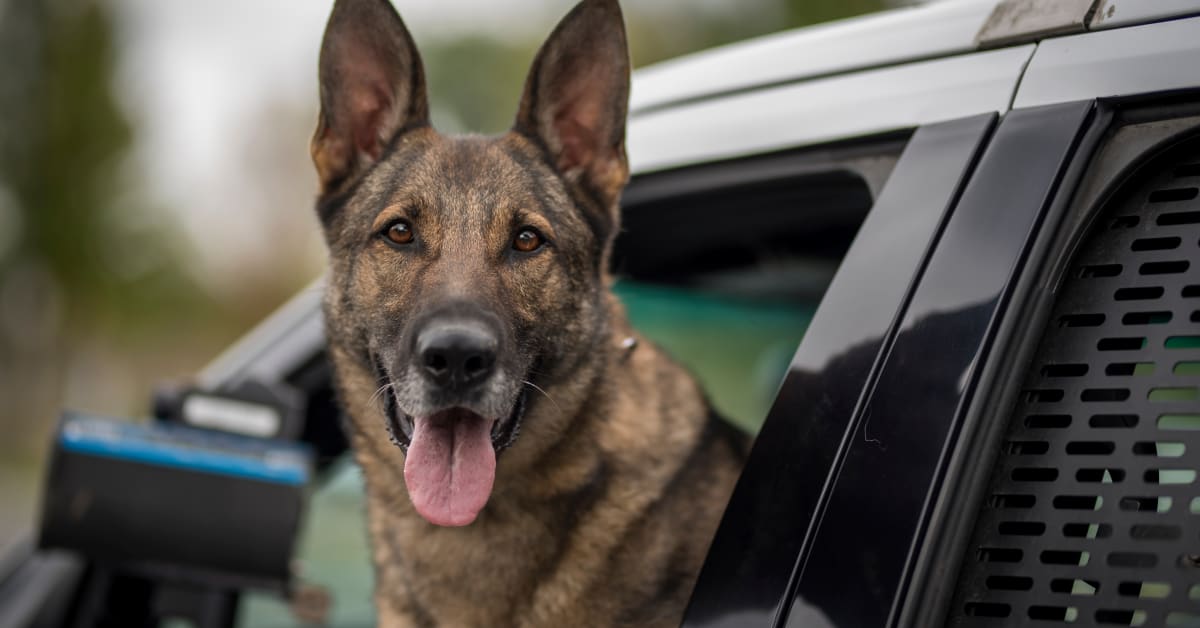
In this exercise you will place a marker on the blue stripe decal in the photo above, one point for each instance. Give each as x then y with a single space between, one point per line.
186 448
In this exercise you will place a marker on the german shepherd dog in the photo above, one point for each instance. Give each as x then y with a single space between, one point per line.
529 459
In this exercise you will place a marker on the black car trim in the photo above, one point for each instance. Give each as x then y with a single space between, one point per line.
746 576
1124 136
878 504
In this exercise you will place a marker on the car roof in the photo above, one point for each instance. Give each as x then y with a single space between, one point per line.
899 69
887 38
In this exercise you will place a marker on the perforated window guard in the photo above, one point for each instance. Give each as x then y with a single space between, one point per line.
1093 513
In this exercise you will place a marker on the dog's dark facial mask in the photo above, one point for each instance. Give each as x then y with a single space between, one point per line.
466 270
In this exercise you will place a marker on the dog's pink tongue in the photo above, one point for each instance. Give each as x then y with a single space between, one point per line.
450 467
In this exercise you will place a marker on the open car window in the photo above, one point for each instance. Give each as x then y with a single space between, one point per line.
724 265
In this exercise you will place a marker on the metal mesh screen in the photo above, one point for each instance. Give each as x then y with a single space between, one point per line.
1092 517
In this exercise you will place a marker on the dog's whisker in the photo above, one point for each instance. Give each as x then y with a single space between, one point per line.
377 393
544 393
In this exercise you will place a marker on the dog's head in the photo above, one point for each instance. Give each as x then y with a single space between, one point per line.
466 271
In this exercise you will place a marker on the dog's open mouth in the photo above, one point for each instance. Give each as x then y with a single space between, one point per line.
503 433
450 458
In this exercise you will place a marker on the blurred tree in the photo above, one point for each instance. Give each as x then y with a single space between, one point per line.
109 256
80 258
97 299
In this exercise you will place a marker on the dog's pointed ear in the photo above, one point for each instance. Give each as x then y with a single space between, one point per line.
577 97
372 88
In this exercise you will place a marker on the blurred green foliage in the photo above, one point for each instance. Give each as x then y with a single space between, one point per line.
111 260
475 82
84 263
805 12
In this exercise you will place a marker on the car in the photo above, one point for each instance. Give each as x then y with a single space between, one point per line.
943 260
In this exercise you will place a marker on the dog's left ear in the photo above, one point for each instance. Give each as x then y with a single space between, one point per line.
576 99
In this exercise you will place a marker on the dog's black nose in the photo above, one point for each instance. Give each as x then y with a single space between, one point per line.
457 355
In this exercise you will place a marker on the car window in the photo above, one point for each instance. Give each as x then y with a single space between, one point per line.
737 346
722 266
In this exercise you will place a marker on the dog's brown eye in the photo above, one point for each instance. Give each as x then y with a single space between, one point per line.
399 232
527 241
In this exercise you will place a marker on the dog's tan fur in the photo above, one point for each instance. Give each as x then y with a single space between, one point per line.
604 506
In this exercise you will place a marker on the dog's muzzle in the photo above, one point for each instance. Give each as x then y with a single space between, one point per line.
400 425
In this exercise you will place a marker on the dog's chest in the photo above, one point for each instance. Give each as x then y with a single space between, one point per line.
475 575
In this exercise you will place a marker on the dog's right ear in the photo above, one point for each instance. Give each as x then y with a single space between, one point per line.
372 89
